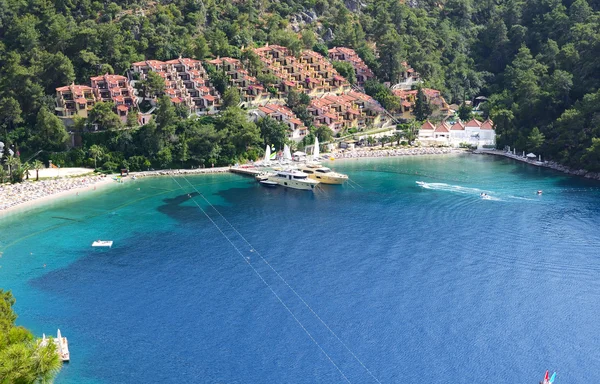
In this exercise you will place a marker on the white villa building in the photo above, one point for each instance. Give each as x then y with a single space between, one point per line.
474 133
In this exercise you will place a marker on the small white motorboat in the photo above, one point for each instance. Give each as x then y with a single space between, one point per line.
268 183
102 243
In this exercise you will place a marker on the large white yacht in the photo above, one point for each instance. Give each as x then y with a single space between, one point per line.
323 174
293 179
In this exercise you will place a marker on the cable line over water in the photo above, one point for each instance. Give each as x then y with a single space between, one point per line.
247 261
254 250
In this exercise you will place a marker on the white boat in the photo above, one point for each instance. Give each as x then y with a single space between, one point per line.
62 345
323 174
262 176
293 179
102 243
268 183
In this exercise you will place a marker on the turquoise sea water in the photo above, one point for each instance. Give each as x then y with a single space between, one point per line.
381 281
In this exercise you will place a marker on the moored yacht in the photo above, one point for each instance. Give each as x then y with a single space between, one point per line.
323 174
293 179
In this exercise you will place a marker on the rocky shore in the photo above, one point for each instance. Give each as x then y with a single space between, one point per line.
175 172
546 164
15 194
382 152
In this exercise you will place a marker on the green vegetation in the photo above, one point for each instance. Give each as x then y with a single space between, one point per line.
535 60
22 359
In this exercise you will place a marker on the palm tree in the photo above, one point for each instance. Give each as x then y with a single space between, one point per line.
397 137
46 362
370 140
26 167
12 163
37 165
383 140
3 174
96 152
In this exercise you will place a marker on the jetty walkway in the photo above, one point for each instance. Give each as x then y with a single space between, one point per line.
546 164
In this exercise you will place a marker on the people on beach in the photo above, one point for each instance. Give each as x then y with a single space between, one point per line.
13 194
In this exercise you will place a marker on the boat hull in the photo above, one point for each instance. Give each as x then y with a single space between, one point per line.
328 179
295 184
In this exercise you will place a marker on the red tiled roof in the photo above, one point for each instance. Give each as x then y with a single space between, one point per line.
122 107
209 97
266 110
442 128
81 100
427 125
473 123
487 125
458 126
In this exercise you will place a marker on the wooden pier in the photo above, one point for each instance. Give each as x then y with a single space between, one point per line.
245 171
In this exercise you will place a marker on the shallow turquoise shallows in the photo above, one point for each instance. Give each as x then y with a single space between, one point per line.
383 280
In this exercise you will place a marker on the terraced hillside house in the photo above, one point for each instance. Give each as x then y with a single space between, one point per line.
350 110
74 100
115 88
296 128
186 82
408 99
363 73
309 73
252 93
407 102
409 78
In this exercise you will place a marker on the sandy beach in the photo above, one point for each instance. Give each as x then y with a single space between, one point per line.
372 152
28 194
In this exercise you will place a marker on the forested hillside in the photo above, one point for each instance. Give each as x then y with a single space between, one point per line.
536 60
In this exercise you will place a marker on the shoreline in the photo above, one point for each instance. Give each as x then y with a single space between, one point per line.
31 202
545 164
39 193
378 153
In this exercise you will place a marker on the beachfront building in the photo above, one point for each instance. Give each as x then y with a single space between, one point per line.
308 73
74 100
363 72
116 89
296 128
186 82
473 133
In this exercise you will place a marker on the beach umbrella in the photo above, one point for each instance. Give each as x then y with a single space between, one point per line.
531 155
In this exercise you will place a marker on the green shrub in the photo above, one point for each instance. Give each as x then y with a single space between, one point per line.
138 163
110 166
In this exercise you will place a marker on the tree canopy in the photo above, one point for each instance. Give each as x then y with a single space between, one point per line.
22 359
536 62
